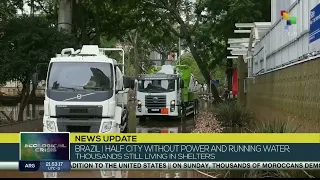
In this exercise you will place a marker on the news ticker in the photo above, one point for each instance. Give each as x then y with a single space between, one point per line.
177 165
45 151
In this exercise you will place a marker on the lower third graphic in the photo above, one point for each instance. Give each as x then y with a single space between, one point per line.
45 152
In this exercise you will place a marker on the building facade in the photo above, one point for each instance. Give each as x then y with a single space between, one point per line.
282 63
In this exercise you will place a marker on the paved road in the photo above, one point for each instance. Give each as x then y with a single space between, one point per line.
28 126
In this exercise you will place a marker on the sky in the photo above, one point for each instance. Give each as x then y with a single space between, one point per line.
26 9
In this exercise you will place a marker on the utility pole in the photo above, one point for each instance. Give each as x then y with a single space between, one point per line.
65 15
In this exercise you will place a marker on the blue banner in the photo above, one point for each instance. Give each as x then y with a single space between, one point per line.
314 32
215 82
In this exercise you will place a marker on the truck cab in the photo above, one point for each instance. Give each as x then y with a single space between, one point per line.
86 92
159 93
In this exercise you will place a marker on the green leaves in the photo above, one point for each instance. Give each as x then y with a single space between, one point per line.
27 41
188 60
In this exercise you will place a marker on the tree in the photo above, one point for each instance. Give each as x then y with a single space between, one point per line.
170 14
204 25
161 40
26 42
188 60
8 8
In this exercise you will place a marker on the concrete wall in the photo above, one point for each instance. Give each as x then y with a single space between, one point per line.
288 94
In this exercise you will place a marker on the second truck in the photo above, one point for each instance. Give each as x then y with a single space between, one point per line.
169 92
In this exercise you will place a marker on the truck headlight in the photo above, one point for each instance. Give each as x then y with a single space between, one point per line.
172 105
139 103
106 126
51 126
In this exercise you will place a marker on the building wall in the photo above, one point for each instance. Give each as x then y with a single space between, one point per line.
277 6
279 46
156 57
291 94
286 89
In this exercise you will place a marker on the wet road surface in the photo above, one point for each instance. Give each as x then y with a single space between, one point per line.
184 126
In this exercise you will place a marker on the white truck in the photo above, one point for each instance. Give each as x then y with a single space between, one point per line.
169 92
86 92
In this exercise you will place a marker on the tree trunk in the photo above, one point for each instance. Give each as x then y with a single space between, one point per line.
65 15
33 95
25 96
229 73
97 30
80 14
22 103
204 70
32 8
163 58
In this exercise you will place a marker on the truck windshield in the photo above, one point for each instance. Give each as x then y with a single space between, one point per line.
77 76
163 85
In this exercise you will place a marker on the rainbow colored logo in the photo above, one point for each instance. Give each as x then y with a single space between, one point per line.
290 20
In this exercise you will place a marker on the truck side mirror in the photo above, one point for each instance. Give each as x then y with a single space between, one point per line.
34 79
181 84
126 82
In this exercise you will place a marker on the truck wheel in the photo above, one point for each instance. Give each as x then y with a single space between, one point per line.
182 112
195 107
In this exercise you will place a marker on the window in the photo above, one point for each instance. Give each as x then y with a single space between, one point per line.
163 85
94 76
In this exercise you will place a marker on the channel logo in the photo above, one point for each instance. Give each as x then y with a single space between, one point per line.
289 19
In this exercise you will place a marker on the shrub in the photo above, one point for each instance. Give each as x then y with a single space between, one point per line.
277 126
281 126
230 114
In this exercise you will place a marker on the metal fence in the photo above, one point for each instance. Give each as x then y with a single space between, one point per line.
9 114
13 91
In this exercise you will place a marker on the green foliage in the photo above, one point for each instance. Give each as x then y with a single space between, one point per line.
230 114
8 8
27 41
219 24
129 68
219 74
212 24
188 60
153 70
278 126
